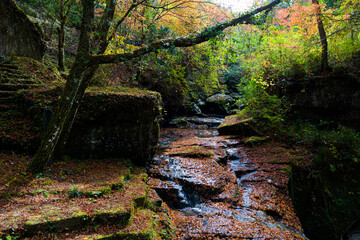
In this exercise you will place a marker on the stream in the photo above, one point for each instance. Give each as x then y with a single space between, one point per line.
215 191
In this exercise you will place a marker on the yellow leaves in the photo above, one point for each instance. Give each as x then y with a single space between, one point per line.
118 46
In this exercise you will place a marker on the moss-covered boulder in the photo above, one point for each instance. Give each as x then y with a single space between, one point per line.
238 125
218 104
111 122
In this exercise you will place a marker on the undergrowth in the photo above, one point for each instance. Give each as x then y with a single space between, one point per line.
326 191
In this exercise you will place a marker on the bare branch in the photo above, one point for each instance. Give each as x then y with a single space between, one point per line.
130 9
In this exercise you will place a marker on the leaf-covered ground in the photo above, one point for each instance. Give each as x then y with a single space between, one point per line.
240 191
105 196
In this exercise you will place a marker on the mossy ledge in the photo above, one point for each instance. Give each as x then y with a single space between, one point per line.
31 228
111 122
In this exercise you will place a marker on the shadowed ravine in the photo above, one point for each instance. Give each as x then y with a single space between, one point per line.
215 191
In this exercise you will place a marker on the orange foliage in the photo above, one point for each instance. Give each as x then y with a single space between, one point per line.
298 15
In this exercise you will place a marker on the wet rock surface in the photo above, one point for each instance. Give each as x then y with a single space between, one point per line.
215 191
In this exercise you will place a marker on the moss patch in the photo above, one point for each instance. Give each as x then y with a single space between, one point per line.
238 124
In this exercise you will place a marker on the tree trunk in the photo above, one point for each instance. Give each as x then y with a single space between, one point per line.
61 47
102 43
61 36
60 146
323 39
69 102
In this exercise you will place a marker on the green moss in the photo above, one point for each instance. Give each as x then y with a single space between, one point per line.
74 192
119 185
79 214
234 120
254 140
119 90
141 202
194 152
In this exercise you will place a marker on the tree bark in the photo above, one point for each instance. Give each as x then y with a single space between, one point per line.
102 42
63 15
77 81
69 102
323 38
61 47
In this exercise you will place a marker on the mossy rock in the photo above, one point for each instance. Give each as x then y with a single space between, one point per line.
256 140
179 122
19 36
238 125
111 122
141 202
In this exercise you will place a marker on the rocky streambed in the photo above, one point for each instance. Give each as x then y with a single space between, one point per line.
215 191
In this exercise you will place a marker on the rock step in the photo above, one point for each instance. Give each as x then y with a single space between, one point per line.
131 235
137 221
6 115
4 107
16 75
31 228
9 66
6 100
4 93
9 70
143 225
17 86
19 80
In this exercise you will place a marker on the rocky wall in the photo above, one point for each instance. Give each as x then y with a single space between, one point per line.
18 35
108 125
335 97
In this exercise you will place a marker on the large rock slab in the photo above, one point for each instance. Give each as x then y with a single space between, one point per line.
18 35
110 123
238 125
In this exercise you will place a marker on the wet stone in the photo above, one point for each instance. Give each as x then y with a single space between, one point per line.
216 192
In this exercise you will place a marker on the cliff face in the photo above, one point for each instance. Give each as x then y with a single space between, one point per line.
116 125
18 35
110 123
334 98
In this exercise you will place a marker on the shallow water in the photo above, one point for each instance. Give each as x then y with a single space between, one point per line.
216 191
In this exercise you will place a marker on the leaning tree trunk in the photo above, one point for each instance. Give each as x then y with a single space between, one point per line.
102 41
323 39
69 102
60 146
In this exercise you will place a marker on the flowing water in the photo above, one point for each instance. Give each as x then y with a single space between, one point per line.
215 191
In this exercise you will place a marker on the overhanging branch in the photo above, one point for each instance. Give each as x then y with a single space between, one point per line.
186 41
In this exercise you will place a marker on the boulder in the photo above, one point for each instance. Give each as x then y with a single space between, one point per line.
179 122
18 35
217 104
238 125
